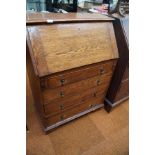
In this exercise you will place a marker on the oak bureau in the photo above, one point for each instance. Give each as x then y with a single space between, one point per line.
70 61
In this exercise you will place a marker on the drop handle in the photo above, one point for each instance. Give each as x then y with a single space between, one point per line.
95 94
98 82
62 94
61 107
82 100
62 81
91 105
102 71
62 117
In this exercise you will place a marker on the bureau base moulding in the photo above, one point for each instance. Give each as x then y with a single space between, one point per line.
72 118
108 106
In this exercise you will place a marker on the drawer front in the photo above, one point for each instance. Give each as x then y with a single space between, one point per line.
57 106
75 88
71 112
77 75
123 90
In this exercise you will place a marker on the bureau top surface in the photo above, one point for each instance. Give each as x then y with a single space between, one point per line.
58 47
37 17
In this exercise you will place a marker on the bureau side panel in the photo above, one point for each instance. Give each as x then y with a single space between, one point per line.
34 84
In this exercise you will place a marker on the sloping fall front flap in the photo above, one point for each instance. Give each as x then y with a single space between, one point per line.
59 47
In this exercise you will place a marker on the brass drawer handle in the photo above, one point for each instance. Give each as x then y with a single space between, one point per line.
61 107
102 71
62 82
62 94
95 94
82 100
98 82
42 84
91 105
62 117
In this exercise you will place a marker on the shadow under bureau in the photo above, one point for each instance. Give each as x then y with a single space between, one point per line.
70 62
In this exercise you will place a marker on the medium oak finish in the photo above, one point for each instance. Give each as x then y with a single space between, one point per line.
75 75
45 18
84 49
70 64
74 88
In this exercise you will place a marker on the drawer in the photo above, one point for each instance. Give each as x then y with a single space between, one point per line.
76 75
75 88
123 90
57 106
71 112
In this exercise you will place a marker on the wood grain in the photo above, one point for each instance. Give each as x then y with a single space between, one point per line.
75 88
123 90
34 84
61 47
126 73
69 77
60 105
39 18
70 63
71 112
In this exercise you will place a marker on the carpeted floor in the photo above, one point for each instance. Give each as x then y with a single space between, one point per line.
97 133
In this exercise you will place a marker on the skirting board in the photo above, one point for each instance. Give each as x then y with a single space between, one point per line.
109 105
73 117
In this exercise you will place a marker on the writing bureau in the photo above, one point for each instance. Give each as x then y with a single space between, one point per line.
70 62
